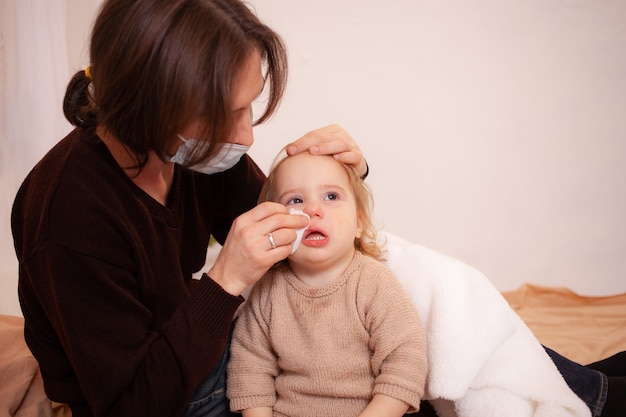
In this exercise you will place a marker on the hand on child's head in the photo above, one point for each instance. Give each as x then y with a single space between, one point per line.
330 140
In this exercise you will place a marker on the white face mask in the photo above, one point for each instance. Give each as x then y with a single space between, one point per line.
226 158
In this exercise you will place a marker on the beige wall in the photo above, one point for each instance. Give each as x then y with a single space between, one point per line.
494 129
80 16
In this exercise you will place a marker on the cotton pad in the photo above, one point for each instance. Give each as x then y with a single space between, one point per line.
299 232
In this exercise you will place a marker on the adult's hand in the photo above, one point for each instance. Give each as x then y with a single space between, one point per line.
331 140
249 252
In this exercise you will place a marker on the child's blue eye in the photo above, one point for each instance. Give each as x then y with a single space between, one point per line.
295 200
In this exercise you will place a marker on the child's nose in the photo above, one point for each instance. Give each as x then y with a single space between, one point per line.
314 209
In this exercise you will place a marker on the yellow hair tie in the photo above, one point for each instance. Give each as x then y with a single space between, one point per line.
88 72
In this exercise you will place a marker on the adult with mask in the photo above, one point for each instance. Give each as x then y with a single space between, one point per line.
110 225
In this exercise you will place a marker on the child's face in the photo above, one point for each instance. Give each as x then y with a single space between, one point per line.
320 187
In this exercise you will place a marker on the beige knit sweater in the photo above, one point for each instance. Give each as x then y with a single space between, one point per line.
325 351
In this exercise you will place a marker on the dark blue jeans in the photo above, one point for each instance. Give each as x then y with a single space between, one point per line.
210 400
590 385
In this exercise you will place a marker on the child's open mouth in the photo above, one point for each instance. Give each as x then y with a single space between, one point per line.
314 235
314 238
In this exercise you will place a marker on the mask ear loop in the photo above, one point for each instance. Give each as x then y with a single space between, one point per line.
177 158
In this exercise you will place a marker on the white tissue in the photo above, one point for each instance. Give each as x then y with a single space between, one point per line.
299 232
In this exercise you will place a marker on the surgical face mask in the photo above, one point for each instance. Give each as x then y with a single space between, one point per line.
226 158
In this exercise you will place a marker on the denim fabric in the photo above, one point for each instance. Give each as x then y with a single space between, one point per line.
590 385
210 400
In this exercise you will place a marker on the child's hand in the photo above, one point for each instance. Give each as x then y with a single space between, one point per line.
257 412
385 406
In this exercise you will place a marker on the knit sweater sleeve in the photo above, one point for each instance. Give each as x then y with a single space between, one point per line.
253 364
398 341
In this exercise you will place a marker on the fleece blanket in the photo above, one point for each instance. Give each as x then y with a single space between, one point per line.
483 360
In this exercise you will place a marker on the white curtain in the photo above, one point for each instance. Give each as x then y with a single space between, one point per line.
33 76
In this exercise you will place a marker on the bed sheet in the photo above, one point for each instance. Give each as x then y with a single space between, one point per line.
582 328
21 386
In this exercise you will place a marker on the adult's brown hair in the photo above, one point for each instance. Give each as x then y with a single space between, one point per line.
159 65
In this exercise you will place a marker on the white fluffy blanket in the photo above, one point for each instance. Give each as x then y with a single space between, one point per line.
484 361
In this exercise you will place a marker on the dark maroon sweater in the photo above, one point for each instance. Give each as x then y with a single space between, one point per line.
112 315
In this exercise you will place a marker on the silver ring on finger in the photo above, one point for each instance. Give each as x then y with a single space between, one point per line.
271 239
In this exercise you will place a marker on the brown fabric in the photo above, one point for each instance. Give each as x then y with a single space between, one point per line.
582 328
21 385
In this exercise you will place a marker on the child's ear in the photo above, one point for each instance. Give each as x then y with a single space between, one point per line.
359 228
